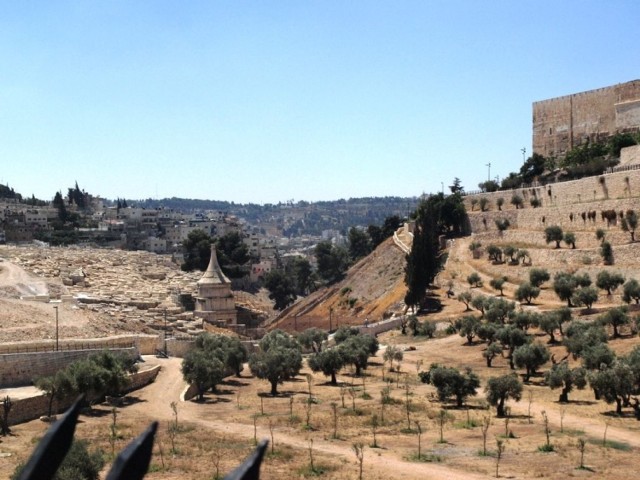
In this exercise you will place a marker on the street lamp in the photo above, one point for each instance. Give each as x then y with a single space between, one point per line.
57 345
165 332
524 151
489 173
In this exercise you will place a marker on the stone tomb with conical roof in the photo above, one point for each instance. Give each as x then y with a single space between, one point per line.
214 302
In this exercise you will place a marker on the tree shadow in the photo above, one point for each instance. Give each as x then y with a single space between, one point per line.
234 383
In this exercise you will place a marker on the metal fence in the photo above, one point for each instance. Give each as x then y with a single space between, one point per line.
66 347
131 464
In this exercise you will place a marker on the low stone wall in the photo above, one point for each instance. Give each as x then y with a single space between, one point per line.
30 408
19 369
146 344
380 327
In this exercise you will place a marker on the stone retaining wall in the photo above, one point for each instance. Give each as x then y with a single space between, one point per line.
576 193
19 369
30 408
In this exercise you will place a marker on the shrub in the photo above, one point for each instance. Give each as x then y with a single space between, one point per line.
474 280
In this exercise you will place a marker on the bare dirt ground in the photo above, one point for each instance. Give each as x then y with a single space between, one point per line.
28 320
223 426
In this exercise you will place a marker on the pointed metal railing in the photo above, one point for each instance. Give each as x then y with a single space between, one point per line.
131 464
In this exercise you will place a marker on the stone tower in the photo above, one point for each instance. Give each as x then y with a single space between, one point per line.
215 303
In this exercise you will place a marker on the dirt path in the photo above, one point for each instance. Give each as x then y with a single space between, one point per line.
155 400
25 283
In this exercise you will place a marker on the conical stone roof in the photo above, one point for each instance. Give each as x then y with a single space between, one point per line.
214 274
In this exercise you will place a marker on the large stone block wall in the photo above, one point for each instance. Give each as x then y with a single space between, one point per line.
616 191
562 123
19 369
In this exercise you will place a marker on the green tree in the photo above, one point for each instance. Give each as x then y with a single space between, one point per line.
565 284
532 168
233 254
516 201
357 349
606 252
549 323
608 281
312 339
277 360
196 251
531 356
631 291
501 389
301 273
570 239
332 261
527 293
553 233
629 223
495 253
616 317
281 289
561 376
450 382
329 362
492 351
423 262
58 204
537 276
582 335
465 297
229 350
499 203
467 326
203 370
586 296
512 337
474 280
359 243
614 384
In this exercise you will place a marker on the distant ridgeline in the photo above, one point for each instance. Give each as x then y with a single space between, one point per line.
317 216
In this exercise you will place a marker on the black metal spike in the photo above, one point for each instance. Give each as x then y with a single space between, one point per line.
250 468
53 447
133 462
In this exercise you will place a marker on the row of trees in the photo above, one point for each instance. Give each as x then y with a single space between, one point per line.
212 359
279 357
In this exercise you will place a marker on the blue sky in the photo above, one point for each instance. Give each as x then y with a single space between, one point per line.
276 100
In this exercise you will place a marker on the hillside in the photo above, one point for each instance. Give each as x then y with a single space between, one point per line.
372 289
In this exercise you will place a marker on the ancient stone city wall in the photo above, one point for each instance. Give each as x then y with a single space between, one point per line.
562 123
618 191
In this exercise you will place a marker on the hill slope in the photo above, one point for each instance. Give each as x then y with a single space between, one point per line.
372 289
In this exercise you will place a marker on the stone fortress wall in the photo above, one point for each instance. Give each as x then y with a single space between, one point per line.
562 123
617 191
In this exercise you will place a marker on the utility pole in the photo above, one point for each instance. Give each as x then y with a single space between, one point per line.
442 185
524 152
330 319
489 173
57 344
165 332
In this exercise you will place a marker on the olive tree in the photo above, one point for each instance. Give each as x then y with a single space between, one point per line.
561 376
450 382
501 389
278 359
